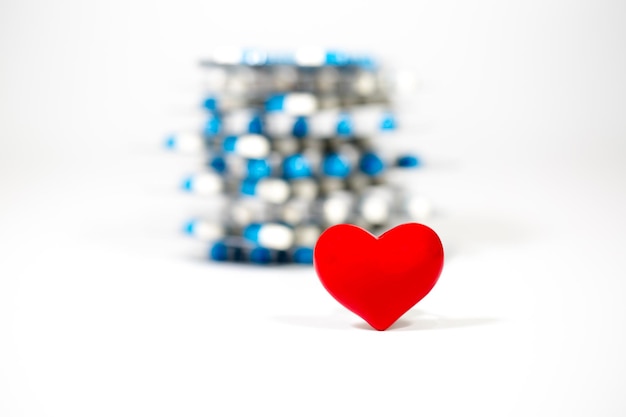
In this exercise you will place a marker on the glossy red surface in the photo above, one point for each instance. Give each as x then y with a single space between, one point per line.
381 278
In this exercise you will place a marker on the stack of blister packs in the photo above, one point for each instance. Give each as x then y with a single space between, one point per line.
289 144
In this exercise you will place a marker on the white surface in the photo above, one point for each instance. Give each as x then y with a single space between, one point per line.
105 309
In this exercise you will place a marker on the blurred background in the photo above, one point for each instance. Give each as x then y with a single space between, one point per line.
105 308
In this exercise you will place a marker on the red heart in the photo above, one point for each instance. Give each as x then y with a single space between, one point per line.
381 278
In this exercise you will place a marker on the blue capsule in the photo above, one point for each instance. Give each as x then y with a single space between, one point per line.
219 252
210 103
295 103
275 103
251 232
371 164
189 228
248 187
212 127
218 163
296 166
248 146
304 57
269 235
187 184
258 168
337 58
255 125
254 57
388 122
300 127
344 125
303 255
260 256
408 161
334 165
170 142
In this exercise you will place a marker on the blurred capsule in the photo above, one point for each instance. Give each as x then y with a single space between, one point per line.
302 255
371 164
418 208
336 165
297 166
374 165
228 250
338 207
185 142
244 211
248 146
408 161
329 185
296 211
375 206
305 189
270 235
204 184
306 235
225 250
224 102
285 146
238 167
204 230
357 182
272 190
359 121
292 103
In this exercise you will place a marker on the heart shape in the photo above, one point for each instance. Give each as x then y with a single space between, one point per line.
379 279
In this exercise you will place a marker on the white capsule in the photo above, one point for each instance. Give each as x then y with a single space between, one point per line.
418 208
297 104
327 79
270 235
310 57
186 142
248 146
205 184
284 78
337 208
246 210
241 214
323 123
215 78
375 206
286 146
375 210
237 122
273 190
207 231
279 124
295 211
306 235
365 83
358 182
300 103
331 185
305 189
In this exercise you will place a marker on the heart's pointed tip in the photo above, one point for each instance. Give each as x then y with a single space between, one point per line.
381 327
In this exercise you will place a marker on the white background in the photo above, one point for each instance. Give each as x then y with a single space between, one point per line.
106 310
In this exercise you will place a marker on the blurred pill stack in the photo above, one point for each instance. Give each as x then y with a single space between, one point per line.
289 141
